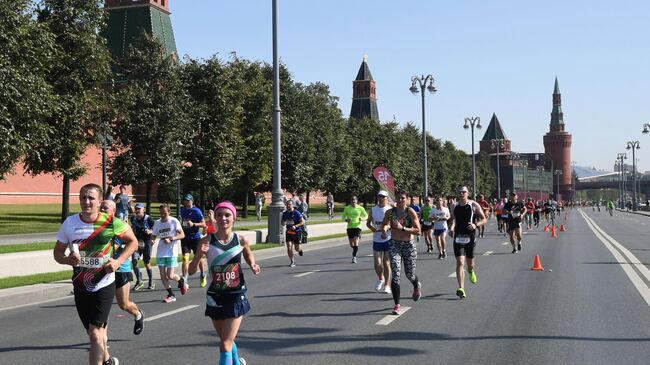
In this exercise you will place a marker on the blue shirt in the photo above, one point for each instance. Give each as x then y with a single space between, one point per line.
122 203
126 265
294 216
195 215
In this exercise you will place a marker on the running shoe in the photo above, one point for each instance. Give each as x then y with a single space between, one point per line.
182 285
417 292
242 361
378 285
396 309
514 250
387 289
292 264
112 361
300 252
439 256
204 281
461 293
472 277
138 286
354 260
519 246
444 254
152 286
169 299
139 324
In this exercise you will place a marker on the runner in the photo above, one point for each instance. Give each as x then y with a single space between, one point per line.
226 302
403 223
354 214
515 211
380 241
170 232
142 226
192 218
330 206
610 208
293 220
89 237
418 211
500 216
463 230
123 276
440 215
426 224
538 212
485 205
530 211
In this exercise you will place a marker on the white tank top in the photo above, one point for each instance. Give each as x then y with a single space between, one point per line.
378 214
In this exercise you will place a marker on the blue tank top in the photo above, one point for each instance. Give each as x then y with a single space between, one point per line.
224 262
126 265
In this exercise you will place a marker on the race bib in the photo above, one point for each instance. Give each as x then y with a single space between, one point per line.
462 239
186 223
504 215
95 262
516 215
140 244
226 277
426 223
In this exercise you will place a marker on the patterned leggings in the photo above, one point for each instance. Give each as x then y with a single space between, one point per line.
407 251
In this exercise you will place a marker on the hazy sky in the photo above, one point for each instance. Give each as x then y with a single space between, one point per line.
487 56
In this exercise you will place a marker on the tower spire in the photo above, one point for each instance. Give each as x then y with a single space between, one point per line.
557 117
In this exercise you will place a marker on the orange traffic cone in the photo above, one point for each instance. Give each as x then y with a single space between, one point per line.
545 228
562 229
537 265
553 232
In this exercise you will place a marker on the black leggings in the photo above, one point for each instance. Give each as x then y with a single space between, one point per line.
406 251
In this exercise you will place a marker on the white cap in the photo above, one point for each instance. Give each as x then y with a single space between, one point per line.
382 193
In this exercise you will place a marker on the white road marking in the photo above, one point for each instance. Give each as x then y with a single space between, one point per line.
165 314
488 253
390 318
452 275
505 243
612 245
305 273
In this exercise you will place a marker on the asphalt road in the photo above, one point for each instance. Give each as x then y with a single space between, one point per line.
584 308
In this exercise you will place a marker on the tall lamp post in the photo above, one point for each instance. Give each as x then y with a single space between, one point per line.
524 164
498 144
425 82
540 169
623 156
558 173
277 206
573 180
618 168
512 157
473 122
633 145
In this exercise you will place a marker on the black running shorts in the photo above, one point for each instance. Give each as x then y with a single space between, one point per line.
189 245
122 278
94 308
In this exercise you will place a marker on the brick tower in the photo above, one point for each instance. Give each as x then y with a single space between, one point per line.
557 147
364 99
127 18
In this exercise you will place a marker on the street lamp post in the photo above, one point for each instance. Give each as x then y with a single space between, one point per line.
646 128
633 145
524 164
558 173
498 143
622 156
277 205
617 167
422 81
539 171
472 122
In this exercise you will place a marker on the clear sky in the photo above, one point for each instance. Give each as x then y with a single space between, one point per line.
487 56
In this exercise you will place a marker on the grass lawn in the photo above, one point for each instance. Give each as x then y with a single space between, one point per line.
14 281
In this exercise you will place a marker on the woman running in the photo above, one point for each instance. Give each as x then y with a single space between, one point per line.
226 299
439 215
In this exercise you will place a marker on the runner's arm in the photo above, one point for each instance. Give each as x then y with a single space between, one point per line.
204 245
248 255
385 223
415 220
482 220
71 259
370 223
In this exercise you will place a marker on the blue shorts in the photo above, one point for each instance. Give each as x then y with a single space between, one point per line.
438 232
381 246
167 261
223 307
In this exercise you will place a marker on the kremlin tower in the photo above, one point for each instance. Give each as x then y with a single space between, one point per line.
557 147
364 99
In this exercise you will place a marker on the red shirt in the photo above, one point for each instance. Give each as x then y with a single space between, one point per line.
530 207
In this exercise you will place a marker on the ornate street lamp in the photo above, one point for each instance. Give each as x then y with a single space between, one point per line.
623 156
540 169
425 82
633 145
646 128
524 164
557 173
498 143
472 122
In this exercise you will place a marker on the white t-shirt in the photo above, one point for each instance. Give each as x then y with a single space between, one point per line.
167 229
439 213
378 214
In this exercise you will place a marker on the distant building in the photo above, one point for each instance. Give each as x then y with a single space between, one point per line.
557 146
364 97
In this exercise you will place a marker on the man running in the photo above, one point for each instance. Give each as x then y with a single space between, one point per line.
89 237
380 241
440 215
485 205
538 212
192 218
501 216
294 222
463 230
353 214
516 211
530 210
122 204
426 224
123 277
330 205
142 226
170 232
403 223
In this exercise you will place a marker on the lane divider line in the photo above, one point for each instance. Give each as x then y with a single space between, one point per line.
488 253
636 280
505 243
452 275
165 314
391 317
305 273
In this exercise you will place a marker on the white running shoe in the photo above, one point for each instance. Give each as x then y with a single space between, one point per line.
354 260
387 289
293 264
378 285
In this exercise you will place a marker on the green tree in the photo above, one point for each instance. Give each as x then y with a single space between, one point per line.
486 178
25 95
80 64
152 131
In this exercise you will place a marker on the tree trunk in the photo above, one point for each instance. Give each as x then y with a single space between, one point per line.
65 203
149 185
244 212
202 201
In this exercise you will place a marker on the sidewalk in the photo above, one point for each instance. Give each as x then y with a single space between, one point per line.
32 294
638 212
